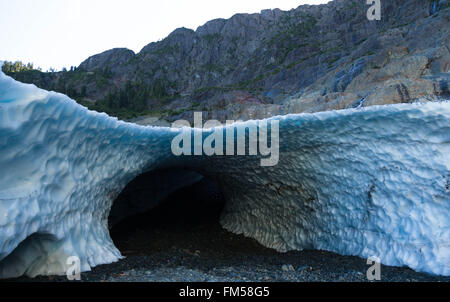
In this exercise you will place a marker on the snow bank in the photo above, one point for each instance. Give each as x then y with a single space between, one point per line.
368 182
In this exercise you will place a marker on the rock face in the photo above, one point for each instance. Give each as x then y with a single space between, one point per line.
372 182
108 59
309 59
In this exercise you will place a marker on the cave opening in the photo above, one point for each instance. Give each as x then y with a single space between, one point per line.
29 255
188 219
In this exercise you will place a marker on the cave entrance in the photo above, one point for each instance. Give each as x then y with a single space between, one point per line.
183 229
185 219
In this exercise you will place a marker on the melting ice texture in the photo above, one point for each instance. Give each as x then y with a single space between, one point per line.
368 182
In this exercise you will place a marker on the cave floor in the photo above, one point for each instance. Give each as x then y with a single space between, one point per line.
206 252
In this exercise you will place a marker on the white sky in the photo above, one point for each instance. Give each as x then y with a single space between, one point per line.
58 33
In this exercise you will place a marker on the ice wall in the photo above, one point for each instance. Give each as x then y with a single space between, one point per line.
367 182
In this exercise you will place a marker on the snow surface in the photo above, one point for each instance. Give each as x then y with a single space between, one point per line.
367 182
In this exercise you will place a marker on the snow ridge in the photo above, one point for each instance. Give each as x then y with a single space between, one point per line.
369 182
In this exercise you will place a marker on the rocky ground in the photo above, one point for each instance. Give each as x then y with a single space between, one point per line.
209 253
177 242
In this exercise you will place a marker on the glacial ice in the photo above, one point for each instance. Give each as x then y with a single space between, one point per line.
371 182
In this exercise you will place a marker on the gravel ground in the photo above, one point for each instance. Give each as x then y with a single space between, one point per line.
179 241
209 253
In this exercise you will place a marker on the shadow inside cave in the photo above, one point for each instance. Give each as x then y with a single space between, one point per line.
187 220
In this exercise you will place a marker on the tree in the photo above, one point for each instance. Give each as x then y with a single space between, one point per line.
18 66
83 93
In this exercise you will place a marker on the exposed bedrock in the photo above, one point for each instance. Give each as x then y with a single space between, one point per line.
367 182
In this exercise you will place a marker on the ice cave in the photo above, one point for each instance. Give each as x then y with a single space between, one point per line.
369 182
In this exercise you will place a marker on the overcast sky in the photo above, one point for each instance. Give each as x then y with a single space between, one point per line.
58 33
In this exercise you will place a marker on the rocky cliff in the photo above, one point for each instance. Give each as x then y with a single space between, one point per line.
312 58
